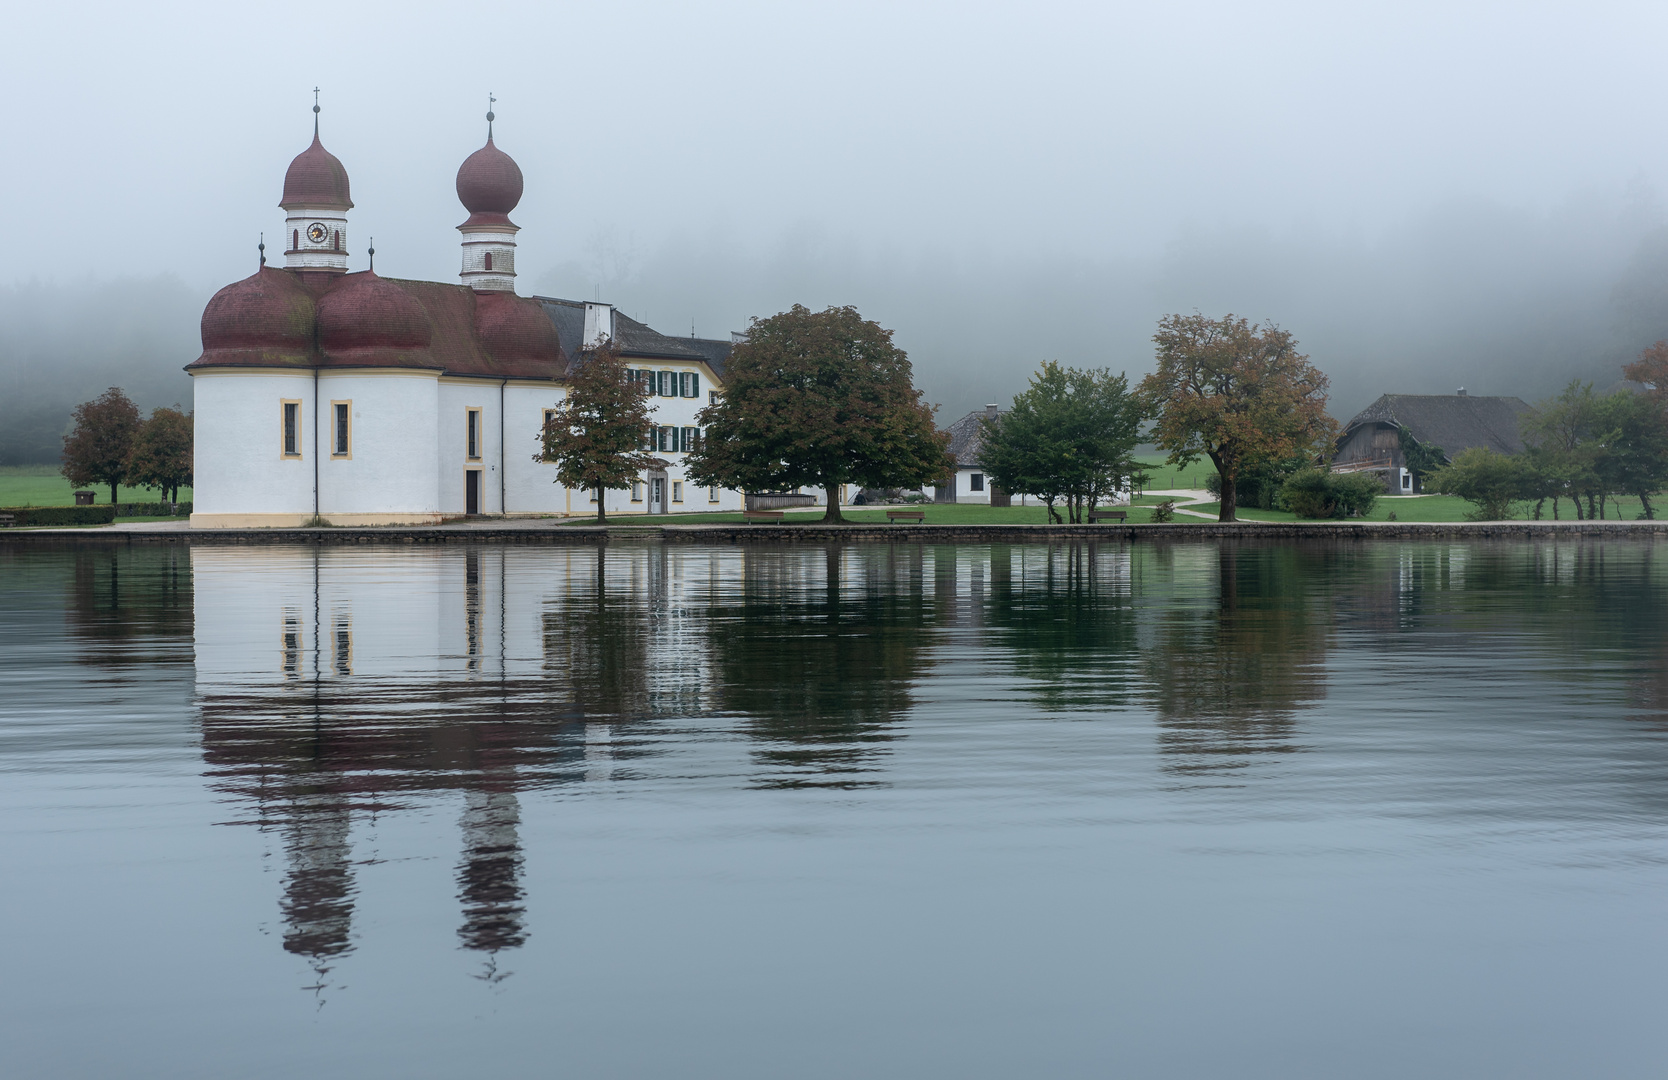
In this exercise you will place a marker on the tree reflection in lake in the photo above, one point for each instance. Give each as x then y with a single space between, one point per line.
818 651
336 684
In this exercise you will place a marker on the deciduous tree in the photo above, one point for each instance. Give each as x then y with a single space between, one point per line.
1068 436
818 399
161 454
96 451
595 435
1236 392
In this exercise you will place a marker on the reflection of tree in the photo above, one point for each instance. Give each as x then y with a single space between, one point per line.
1225 682
821 658
125 595
598 633
1066 614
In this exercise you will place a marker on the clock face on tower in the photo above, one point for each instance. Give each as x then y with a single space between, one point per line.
317 233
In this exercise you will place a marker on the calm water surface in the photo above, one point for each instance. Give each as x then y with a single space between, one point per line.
979 811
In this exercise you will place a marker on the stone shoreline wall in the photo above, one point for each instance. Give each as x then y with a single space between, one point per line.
865 533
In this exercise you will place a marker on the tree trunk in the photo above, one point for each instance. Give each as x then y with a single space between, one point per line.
1540 504
1645 504
832 517
112 493
602 507
1554 508
1230 495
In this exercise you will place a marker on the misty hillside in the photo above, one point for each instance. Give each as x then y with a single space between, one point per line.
1469 294
64 344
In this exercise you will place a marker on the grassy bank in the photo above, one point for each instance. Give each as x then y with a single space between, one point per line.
1447 508
43 485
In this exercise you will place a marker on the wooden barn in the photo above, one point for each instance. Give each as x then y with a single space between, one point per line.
1381 437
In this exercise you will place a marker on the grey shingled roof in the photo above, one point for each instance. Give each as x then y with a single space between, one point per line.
1450 421
636 339
967 437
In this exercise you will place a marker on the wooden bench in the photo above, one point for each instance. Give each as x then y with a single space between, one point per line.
906 515
761 515
1096 516
7 520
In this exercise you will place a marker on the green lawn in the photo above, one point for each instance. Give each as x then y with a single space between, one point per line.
1439 508
1168 477
43 485
937 514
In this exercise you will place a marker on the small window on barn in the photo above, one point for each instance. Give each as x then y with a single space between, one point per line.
976 482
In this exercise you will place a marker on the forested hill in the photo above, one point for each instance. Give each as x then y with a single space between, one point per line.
62 344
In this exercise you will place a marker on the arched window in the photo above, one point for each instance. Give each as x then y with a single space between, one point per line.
295 239
489 260
336 241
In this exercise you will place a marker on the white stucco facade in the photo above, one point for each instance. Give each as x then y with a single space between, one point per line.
405 456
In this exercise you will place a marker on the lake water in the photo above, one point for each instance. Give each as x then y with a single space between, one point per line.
1188 810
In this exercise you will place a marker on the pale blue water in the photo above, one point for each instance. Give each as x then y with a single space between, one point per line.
1368 810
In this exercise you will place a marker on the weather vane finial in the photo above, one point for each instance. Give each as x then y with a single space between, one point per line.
262 247
491 101
371 251
315 112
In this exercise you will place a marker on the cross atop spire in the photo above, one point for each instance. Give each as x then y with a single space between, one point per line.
491 101
315 112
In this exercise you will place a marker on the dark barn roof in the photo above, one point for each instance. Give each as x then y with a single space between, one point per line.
967 437
1453 422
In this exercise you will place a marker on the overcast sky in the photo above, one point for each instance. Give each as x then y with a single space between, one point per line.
1422 193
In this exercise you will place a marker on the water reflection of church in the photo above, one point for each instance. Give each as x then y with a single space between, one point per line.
337 684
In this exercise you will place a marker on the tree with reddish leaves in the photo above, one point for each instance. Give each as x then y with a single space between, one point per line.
1651 369
595 435
1236 392
161 454
96 451
819 399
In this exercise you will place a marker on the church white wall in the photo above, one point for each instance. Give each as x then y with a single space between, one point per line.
392 468
451 439
239 464
530 486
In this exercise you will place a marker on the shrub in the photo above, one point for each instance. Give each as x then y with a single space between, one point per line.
60 515
153 509
1356 492
1485 478
1320 493
1308 494
1165 511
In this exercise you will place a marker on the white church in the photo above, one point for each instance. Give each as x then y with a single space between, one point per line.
353 399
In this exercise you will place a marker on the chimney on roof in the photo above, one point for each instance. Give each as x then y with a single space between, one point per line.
990 411
599 325
1462 391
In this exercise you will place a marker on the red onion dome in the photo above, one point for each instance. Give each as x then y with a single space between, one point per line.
316 179
265 318
511 328
367 320
489 182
